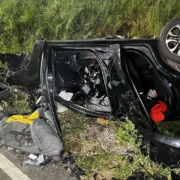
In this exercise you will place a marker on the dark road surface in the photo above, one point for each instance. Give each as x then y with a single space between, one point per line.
11 160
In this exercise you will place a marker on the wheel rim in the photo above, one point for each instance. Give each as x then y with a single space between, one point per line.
173 40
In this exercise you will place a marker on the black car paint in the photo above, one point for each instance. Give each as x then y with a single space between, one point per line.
29 74
123 102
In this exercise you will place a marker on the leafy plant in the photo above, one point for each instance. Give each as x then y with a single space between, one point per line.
17 105
169 128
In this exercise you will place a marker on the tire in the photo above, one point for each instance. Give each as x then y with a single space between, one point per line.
169 42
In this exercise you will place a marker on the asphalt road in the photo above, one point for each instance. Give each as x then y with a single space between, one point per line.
12 167
4 176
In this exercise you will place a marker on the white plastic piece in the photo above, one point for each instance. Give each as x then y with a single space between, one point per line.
61 108
32 157
66 95
1 108
35 162
10 148
152 93
38 101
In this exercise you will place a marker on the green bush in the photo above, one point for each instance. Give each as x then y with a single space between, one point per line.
22 22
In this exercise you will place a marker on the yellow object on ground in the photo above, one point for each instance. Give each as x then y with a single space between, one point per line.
102 121
24 119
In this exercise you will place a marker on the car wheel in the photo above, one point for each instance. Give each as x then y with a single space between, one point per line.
169 42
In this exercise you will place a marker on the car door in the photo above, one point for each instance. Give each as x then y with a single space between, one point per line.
87 76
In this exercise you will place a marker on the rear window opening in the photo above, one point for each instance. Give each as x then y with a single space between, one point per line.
151 86
79 80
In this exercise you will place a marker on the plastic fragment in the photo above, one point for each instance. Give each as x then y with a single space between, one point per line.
102 121
32 157
36 162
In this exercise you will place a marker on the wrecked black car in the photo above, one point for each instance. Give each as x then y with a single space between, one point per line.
109 77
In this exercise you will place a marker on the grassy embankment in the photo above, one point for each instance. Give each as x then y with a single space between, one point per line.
22 22
108 149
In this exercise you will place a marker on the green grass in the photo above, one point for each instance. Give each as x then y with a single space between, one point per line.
17 105
139 163
95 160
169 128
71 126
22 22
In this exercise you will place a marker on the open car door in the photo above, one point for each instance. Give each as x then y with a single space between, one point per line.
87 76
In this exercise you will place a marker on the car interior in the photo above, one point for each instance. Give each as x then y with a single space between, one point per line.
150 85
79 80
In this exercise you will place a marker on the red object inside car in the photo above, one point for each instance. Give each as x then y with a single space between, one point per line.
156 112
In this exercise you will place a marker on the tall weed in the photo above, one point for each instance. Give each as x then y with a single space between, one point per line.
22 22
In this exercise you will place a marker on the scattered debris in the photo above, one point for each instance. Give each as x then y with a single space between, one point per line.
32 157
10 149
36 161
